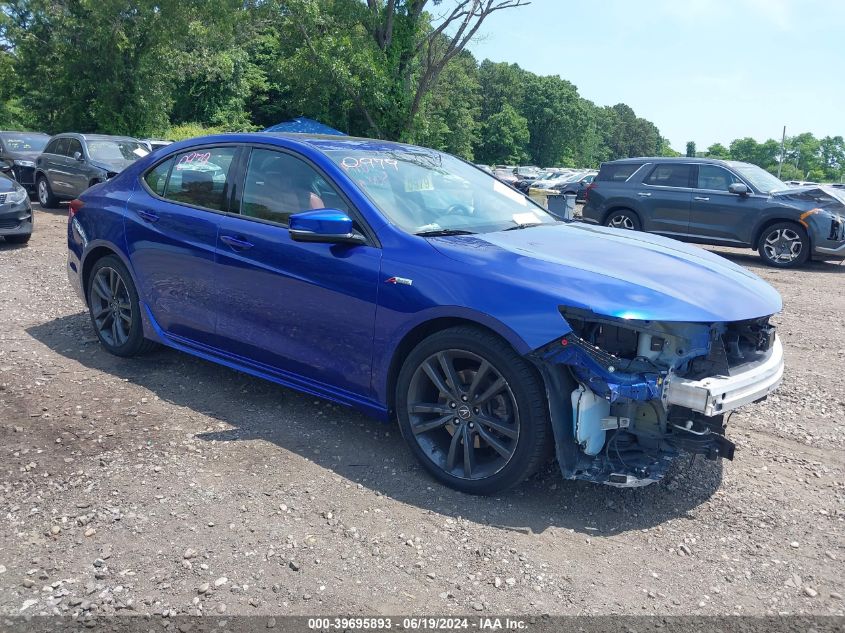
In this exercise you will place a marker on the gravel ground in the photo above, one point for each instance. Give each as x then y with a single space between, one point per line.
169 485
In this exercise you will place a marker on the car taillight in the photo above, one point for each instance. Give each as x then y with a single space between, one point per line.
589 188
74 207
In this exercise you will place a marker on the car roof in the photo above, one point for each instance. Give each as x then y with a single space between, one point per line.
670 159
95 137
22 132
331 141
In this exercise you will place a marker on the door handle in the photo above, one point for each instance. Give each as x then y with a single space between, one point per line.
235 243
701 198
147 216
645 194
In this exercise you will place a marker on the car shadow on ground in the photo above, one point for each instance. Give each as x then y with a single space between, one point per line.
751 259
371 453
5 245
37 208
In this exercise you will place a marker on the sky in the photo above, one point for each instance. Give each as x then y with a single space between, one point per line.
701 70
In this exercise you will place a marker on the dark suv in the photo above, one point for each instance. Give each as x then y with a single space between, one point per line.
18 151
73 162
725 203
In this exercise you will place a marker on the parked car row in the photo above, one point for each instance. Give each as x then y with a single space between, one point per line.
570 183
57 168
724 203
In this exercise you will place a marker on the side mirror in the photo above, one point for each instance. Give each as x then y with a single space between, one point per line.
6 168
739 189
324 225
78 156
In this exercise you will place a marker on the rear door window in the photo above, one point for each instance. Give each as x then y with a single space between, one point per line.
202 178
670 175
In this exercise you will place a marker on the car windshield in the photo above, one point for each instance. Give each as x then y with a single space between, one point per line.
758 177
425 192
116 150
24 142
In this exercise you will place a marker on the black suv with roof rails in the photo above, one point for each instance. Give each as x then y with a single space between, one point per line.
720 202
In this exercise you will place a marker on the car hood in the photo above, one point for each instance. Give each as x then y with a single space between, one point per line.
22 155
818 195
7 184
618 273
115 165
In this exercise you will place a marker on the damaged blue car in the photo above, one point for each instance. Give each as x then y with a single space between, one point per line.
416 287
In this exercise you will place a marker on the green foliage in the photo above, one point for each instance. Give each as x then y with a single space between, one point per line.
804 158
449 116
717 150
187 130
691 149
505 136
391 69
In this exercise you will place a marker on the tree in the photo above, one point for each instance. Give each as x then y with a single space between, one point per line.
387 54
555 117
391 68
690 149
504 138
832 156
717 150
501 83
745 149
450 112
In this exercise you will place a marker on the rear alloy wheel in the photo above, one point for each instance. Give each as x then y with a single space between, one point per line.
784 245
472 411
114 309
45 194
623 220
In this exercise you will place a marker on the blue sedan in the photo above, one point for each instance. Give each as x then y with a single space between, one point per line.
414 286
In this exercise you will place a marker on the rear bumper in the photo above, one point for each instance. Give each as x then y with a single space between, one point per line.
720 394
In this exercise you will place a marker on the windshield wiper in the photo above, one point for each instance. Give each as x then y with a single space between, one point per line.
522 226
444 232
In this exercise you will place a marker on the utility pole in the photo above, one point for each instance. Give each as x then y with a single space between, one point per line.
782 143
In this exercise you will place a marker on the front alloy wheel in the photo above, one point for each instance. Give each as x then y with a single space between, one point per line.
784 245
472 410
45 194
463 414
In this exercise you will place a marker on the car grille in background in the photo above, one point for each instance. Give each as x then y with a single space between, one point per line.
25 175
12 223
3 197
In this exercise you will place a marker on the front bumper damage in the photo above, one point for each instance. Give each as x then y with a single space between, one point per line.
628 398
719 394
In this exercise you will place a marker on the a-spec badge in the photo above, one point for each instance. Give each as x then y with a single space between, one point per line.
399 280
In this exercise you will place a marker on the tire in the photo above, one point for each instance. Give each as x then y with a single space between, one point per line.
436 419
623 219
18 239
114 309
784 245
45 193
